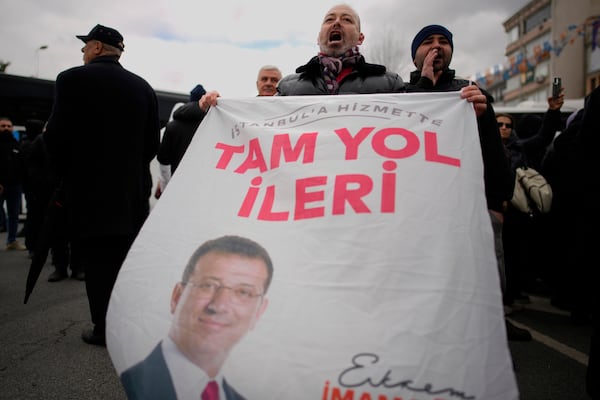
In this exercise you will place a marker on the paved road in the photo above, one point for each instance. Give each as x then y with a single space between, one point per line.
553 365
42 356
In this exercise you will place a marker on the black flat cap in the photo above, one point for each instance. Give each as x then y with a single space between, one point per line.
106 35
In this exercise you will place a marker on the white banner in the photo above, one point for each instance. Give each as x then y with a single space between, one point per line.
385 284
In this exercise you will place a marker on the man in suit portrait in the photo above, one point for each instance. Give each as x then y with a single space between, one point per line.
220 297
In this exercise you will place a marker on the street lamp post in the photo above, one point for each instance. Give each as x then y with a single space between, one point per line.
37 59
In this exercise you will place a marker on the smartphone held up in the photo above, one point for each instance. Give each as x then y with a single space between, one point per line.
556 87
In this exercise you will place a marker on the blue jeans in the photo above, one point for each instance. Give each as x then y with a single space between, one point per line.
12 195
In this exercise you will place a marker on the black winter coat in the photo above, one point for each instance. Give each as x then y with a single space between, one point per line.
179 133
101 136
11 160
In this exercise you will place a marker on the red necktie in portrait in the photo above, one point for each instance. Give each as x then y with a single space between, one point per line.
211 391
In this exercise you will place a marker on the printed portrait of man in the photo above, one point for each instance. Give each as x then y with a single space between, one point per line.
221 297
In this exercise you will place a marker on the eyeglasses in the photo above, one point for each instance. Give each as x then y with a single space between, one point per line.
240 294
501 124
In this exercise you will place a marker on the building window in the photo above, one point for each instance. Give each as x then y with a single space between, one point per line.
513 83
513 34
542 70
537 19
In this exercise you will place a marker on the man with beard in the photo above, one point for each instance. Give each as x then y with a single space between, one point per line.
340 68
432 50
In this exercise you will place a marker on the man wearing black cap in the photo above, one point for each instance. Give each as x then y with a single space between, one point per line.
101 136
105 35
432 50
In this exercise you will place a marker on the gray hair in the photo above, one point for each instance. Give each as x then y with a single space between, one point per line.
269 68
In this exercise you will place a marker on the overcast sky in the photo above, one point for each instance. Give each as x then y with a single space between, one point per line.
175 44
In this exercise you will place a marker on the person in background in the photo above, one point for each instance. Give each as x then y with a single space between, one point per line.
12 170
186 119
520 229
177 137
539 279
33 130
528 126
267 80
2 214
164 170
588 296
101 136
43 182
221 297
432 49
560 168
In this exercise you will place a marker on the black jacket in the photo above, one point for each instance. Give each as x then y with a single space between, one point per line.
179 133
365 78
499 183
101 136
529 151
11 160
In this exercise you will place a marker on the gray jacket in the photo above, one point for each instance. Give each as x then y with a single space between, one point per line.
364 79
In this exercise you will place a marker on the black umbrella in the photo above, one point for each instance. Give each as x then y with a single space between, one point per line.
53 218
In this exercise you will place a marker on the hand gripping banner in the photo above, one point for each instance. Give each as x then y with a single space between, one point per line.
324 248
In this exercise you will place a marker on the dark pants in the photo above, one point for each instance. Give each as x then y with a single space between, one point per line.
593 369
520 236
498 246
12 195
101 258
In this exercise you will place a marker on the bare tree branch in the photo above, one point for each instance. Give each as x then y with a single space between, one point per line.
384 47
3 66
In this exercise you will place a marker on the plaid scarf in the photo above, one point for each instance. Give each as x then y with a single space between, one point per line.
332 66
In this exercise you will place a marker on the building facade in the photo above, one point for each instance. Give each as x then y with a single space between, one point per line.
548 38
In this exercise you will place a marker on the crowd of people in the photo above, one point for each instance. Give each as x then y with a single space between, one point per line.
101 103
548 254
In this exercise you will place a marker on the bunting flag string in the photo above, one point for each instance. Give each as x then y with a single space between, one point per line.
520 63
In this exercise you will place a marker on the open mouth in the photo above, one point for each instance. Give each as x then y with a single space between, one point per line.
335 36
